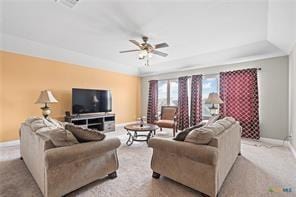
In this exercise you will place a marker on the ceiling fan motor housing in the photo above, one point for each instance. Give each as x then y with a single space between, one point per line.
145 39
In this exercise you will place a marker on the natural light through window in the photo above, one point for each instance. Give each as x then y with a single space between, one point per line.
162 93
167 93
173 92
209 84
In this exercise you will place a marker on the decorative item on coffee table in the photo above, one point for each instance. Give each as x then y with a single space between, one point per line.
146 129
141 121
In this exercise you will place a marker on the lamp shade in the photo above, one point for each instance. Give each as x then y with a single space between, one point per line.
46 97
214 99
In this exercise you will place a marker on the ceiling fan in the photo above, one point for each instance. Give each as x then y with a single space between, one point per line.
146 50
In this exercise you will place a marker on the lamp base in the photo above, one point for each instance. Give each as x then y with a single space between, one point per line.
213 110
45 111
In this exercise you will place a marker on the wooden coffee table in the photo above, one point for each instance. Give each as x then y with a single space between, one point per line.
146 131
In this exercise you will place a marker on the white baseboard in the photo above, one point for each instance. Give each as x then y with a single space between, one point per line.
273 141
293 150
10 143
280 142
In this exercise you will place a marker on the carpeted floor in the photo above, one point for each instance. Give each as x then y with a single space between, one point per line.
258 169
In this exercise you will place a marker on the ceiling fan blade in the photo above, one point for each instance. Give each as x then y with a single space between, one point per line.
161 45
136 43
129 51
159 53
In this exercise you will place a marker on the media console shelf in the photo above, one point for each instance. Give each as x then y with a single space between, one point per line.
101 122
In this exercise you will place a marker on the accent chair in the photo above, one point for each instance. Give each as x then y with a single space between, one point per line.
168 118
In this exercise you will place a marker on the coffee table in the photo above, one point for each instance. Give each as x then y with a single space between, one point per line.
136 128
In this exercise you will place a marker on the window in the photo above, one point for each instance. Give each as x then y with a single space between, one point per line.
173 92
209 84
167 93
162 93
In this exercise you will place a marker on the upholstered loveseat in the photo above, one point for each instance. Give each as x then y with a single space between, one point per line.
60 170
201 167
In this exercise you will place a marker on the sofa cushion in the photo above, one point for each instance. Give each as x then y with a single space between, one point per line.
199 153
226 122
201 136
216 128
83 151
85 135
59 137
182 135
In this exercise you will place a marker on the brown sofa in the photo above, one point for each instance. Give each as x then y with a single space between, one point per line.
60 170
201 167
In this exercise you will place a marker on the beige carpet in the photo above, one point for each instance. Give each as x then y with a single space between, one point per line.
253 173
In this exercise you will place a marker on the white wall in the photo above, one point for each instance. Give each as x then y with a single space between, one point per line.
292 96
281 23
273 92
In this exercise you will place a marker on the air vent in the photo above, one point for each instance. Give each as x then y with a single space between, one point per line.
68 3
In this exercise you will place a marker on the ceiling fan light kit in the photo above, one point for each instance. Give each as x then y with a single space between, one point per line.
146 50
143 54
68 3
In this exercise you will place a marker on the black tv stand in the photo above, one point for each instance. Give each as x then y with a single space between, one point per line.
104 122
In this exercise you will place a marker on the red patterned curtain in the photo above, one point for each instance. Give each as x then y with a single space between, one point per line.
239 92
183 117
196 100
152 101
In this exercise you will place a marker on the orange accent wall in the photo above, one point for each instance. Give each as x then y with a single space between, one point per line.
23 77
1 107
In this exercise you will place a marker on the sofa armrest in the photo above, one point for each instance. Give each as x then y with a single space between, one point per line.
200 153
62 155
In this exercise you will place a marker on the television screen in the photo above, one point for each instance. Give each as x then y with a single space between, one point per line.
91 101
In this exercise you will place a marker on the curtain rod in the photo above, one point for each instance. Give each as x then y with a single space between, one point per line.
209 74
228 71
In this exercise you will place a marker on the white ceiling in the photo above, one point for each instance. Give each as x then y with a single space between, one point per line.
200 33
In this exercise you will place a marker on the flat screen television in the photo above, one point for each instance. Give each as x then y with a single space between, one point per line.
91 101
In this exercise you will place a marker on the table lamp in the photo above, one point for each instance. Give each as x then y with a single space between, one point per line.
213 99
45 98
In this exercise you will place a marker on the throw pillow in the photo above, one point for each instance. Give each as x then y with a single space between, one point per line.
230 119
182 135
55 122
59 137
212 120
85 135
216 128
226 122
37 123
200 136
